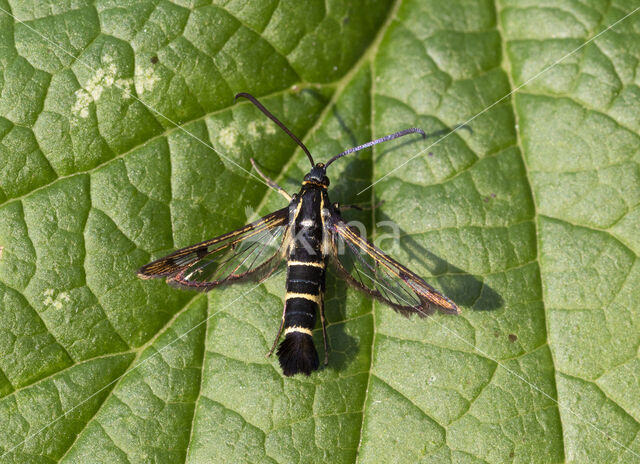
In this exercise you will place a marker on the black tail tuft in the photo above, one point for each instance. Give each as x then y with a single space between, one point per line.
297 353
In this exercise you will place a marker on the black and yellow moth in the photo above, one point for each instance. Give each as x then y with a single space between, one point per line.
308 233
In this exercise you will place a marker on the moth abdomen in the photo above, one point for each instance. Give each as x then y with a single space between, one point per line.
297 353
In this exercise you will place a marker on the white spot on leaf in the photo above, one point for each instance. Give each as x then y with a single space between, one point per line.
145 80
81 106
228 136
251 214
252 128
58 301
102 78
255 129
125 86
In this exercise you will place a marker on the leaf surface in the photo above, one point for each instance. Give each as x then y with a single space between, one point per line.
120 141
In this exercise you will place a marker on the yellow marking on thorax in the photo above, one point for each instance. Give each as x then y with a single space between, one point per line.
292 242
317 184
296 328
326 243
306 296
307 263
295 215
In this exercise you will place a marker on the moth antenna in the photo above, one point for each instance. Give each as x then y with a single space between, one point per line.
255 101
386 138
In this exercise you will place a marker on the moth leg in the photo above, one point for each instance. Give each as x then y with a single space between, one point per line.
275 342
324 332
270 182
363 207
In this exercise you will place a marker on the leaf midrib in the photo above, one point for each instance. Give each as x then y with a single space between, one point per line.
506 65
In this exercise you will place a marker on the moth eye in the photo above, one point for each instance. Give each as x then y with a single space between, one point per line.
325 180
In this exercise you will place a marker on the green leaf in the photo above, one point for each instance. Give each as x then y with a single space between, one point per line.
120 141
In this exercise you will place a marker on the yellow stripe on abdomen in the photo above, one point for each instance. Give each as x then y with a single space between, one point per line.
319 264
297 328
305 296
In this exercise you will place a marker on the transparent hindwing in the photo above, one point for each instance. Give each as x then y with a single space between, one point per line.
368 269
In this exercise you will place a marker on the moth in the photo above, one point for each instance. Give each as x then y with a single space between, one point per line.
308 233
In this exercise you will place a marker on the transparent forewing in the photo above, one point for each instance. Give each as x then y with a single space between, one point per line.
255 257
251 251
370 270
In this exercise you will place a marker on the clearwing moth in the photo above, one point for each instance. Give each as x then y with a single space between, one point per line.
307 233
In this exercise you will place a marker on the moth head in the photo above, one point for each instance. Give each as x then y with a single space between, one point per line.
318 174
